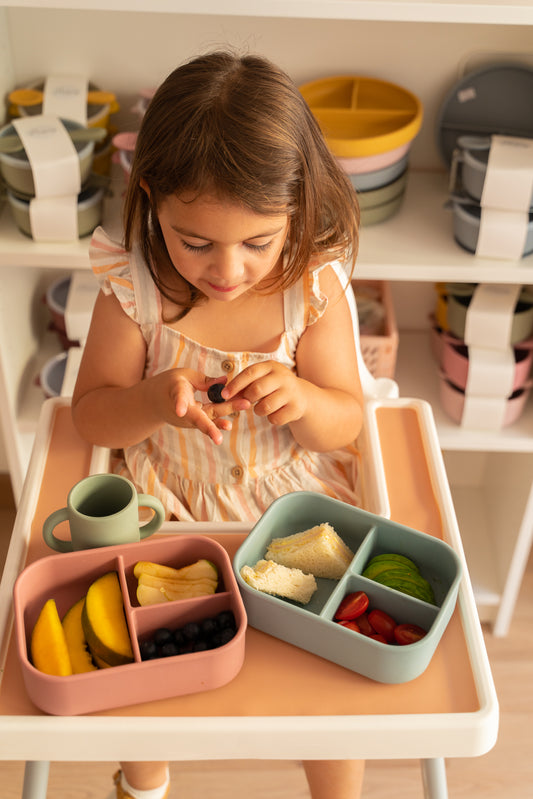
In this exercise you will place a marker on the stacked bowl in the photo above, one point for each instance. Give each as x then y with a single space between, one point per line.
18 176
452 352
369 125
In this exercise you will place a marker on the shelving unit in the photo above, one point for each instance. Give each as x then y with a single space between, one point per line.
422 44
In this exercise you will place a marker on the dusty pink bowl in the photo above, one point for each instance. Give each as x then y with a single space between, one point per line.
453 402
454 360
370 163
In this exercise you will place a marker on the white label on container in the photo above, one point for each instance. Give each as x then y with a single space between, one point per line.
509 176
502 234
489 318
490 372
483 413
53 158
65 96
54 218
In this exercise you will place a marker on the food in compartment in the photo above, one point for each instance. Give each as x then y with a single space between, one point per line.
48 646
158 583
283 581
376 624
319 551
104 623
208 633
400 573
80 657
93 633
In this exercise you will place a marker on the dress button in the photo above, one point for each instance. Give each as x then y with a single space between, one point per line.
237 472
228 366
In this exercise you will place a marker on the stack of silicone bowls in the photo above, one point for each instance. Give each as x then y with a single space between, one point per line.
369 125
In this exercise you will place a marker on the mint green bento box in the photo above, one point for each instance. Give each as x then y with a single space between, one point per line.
312 627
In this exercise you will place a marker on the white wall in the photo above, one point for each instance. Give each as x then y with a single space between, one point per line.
126 52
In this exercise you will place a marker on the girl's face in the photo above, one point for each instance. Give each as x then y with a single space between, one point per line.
221 248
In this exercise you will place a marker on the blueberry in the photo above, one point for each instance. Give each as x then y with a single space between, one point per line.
225 619
169 649
191 631
214 392
208 627
148 650
163 636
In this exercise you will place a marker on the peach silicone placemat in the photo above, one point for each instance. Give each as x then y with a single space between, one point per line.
277 679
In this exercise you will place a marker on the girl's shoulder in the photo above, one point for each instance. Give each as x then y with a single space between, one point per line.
326 281
111 264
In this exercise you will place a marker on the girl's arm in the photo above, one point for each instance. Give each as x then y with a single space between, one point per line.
323 402
114 406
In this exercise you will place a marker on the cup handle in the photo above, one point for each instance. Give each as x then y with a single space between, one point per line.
54 519
148 501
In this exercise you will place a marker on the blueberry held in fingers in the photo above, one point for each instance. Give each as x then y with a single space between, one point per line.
214 392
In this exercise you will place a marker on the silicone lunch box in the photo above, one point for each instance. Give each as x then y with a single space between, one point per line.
66 578
467 222
459 297
455 363
453 402
16 168
312 626
89 210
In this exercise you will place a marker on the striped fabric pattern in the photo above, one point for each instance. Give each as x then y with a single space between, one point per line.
257 462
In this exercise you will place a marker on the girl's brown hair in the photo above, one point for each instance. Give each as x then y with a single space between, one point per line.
238 128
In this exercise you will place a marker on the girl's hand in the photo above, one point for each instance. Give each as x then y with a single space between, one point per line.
184 410
273 389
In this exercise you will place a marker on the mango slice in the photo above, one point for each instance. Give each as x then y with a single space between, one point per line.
201 568
48 647
104 623
80 657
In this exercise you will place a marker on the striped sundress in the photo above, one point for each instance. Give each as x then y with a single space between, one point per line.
257 462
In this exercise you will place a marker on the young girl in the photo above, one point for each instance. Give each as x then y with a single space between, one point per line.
238 223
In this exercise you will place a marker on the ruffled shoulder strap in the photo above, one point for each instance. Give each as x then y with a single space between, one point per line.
304 303
125 275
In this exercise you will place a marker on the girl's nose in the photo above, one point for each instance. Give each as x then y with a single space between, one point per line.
227 266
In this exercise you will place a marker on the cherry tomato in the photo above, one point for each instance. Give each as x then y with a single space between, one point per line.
351 624
352 606
408 634
364 625
383 624
380 638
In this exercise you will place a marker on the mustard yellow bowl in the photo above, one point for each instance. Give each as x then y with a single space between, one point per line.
362 116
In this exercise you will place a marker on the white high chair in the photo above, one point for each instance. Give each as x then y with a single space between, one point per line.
454 733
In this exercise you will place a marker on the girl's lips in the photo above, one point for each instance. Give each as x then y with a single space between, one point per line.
223 289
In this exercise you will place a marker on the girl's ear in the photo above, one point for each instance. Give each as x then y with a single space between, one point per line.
144 185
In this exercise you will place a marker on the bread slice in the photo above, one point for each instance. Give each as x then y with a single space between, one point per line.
319 551
272 578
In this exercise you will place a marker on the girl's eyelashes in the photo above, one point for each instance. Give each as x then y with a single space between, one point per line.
204 247
195 248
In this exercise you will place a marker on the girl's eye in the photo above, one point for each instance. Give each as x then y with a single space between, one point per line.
258 247
193 248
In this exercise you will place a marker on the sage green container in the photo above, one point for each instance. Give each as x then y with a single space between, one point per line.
311 627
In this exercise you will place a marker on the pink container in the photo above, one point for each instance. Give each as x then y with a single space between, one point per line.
370 163
454 361
453 402
66 578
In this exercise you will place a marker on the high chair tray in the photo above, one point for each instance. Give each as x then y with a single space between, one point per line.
313 627
66 578
285 702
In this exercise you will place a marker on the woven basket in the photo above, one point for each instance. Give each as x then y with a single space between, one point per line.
379 351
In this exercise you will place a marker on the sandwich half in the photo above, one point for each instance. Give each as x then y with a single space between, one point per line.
319 551
272 578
